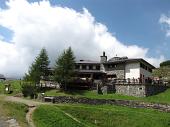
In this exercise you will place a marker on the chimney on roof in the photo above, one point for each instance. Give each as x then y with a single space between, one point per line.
103 53
103 58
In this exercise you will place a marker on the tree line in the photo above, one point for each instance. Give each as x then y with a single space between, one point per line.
63 70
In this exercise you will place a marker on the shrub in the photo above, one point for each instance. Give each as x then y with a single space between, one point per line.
29 89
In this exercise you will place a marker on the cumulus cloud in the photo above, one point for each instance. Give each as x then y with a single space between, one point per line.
165 20
39 24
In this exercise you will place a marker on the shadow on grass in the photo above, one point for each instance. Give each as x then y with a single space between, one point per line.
75 92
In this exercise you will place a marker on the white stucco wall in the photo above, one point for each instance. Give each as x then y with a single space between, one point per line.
132 70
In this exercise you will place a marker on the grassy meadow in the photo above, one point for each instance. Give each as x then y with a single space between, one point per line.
98 116
15 86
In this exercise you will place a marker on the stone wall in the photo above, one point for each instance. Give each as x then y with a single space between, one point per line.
129 103
119 70
139 90
120 74
154 89
131 89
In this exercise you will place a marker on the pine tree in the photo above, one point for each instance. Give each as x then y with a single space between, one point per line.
43 64
64 68
39 68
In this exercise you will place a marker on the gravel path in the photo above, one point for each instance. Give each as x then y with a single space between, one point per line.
29 116
30 103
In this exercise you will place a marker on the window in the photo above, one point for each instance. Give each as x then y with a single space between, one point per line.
144 66
84 67
112 65
90 67
150 70
77 67
140 88
97 67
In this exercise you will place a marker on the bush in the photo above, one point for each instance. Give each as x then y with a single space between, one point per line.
29 89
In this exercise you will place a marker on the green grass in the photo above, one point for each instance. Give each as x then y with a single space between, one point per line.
15 86
14 110
99 116
51 116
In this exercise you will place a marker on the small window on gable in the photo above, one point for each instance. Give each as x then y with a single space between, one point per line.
140 88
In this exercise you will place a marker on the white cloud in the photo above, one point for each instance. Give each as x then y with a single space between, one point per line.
36 25
165 20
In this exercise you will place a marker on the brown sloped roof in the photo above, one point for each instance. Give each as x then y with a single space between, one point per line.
116 60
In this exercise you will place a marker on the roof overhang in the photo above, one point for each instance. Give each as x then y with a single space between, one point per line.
130 61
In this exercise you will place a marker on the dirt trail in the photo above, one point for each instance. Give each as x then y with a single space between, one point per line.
29 116
30 103
25 101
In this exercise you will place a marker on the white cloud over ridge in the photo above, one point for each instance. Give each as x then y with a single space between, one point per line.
39 24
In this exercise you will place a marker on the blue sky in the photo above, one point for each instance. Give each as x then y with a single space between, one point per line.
131 21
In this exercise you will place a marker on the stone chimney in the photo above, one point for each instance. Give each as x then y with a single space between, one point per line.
103 58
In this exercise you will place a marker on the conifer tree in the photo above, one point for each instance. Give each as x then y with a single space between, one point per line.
39 68
64 68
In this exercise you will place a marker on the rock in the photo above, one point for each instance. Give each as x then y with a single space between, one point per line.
104 89
3 123
12 123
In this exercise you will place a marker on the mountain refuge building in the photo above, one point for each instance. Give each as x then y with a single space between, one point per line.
118 68
129 76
